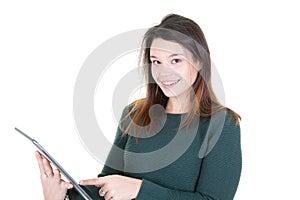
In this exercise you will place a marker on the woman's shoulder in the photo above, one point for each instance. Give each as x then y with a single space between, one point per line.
232 118
135 105
225 120
130 109
219 129
231 122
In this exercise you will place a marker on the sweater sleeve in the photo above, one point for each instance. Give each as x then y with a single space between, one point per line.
220 172
115 157
114 163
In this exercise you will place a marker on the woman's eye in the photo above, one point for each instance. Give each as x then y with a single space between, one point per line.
174 61
155 62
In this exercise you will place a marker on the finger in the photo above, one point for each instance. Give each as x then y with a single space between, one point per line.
47 167
57 175
95 181
40 162
108 195
66 185
102 192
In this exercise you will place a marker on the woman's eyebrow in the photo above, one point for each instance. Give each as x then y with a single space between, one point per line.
172 55
175 54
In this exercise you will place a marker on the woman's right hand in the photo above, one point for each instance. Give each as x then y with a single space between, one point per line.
54 188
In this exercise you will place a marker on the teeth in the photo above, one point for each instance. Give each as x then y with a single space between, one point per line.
168 83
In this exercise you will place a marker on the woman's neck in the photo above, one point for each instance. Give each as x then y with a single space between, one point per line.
177 105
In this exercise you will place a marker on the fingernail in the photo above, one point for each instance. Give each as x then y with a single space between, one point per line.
70 186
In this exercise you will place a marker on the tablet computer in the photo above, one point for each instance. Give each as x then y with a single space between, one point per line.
55 163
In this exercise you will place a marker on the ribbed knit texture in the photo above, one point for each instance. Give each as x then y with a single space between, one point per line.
190 176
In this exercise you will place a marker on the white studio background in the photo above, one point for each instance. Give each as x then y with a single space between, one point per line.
254 45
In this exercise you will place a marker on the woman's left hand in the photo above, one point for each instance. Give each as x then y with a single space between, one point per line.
115 187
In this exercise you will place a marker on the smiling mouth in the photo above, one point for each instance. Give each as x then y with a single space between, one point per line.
169 83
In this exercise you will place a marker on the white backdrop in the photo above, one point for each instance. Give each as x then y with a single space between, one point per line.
254 44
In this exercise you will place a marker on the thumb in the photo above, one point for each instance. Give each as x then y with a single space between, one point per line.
67 185
64 184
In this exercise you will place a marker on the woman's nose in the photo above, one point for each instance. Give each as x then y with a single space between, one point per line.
166 68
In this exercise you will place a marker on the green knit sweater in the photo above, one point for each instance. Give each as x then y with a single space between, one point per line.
200 162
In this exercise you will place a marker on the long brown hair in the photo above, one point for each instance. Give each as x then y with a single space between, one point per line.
187 33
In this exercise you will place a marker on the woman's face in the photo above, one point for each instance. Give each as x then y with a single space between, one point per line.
173 68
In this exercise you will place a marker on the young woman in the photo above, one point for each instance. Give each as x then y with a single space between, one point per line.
178 142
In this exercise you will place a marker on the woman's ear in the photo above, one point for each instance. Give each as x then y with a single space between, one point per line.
198 65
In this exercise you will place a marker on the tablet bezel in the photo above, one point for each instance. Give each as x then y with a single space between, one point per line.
43 151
